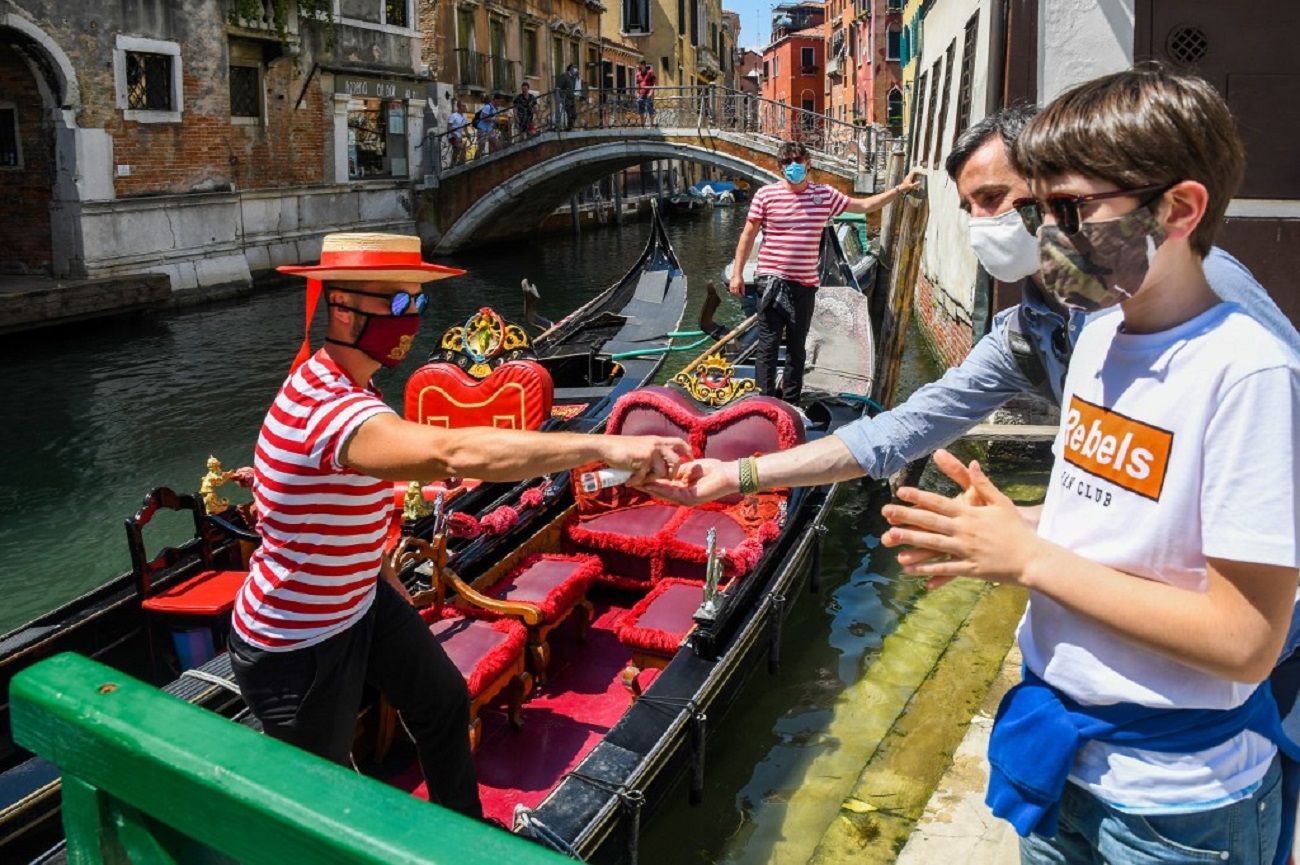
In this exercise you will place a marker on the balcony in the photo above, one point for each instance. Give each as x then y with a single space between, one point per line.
835 67
706 63
473 69
809 69
261 19
505 74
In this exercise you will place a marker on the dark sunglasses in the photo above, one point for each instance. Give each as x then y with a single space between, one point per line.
1065 208
399 303
784 162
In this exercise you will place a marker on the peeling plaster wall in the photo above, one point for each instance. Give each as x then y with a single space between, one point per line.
1079 40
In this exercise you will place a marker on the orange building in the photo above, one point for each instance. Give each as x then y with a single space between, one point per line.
794 69
841 59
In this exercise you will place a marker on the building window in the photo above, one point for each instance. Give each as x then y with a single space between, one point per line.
636 16
947 92
930 108
529 39
465 29
557 55
396 13
376 139
245 92
147 79
893 43
894 108
11 151
894 6
967 71
695 22
806 59
681 16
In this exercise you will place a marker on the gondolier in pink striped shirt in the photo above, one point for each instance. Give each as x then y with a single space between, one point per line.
791 214
318 618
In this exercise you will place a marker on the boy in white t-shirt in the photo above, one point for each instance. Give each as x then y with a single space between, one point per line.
1163 570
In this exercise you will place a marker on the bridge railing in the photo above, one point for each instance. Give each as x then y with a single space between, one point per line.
855 147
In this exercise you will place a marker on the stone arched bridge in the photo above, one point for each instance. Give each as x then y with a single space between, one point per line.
510 191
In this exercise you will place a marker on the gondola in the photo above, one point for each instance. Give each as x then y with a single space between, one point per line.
610 345
658 614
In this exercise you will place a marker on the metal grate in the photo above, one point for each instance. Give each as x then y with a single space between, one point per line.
148 81
244 101
1187 45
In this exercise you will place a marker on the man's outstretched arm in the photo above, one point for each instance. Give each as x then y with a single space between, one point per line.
932 417
872 203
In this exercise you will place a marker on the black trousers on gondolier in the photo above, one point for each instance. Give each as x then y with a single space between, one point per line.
310 697
785 310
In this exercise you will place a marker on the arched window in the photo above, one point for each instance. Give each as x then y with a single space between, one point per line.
893 42
894 108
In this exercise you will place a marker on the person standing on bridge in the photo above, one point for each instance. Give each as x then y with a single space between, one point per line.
319 616
645 97
525 108
791 214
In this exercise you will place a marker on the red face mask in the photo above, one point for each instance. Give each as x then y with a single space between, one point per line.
384 339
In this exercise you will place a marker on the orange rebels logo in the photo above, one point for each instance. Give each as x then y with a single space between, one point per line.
1124 451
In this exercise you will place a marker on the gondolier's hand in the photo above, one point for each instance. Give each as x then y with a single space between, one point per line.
977 533
697 482
646 457
911 181
737 284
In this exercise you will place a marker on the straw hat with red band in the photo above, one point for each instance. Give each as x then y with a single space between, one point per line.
380 257
363 257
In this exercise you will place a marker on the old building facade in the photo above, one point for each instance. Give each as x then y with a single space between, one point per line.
199 138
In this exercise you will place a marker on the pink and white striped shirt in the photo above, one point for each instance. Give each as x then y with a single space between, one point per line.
322 524
792 224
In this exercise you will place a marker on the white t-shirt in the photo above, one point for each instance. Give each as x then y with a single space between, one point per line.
1173 446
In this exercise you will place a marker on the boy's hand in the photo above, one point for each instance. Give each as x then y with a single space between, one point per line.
697 482
977 533
646 457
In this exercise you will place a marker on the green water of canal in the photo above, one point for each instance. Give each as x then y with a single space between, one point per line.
99 414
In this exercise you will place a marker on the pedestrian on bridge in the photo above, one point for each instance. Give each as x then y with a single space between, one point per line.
457 133
525 108
791 214
645 99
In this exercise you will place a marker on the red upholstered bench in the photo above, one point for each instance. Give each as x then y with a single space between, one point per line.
555 585
641 540
656 626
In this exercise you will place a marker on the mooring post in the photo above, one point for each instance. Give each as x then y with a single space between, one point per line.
573 211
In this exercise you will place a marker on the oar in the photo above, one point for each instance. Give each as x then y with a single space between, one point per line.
713 349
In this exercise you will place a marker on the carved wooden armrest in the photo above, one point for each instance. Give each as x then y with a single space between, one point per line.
414 552
529 614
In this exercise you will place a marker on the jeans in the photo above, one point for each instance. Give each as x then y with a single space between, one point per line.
1094 833
310 697
773 326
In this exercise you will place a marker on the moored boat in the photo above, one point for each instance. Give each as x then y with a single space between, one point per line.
610 345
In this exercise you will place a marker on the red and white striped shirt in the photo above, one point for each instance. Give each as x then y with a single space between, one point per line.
792 224
322 524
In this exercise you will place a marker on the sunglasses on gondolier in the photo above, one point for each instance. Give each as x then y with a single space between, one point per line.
791 161
399 303
1065 208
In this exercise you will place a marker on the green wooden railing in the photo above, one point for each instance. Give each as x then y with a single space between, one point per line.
148 778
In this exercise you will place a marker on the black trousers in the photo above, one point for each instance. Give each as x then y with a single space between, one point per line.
310 697
776 323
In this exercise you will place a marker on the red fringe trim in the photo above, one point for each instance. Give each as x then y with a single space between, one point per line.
567 594
655 640
700 425
498 659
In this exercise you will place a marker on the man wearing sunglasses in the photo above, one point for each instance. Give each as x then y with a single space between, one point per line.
791 214
314 622
1026 350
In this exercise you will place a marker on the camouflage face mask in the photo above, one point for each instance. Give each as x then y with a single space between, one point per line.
1103 264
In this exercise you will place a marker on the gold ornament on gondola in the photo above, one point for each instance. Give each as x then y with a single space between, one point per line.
483 338
713 382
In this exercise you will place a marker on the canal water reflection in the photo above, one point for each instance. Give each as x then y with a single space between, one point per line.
102 412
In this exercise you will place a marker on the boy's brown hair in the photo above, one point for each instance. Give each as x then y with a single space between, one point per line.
1142 127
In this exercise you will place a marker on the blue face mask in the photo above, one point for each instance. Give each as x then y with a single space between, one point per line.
795 172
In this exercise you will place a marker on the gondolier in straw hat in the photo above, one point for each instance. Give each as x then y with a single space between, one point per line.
315 622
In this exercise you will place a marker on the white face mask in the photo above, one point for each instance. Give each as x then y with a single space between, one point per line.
1004 246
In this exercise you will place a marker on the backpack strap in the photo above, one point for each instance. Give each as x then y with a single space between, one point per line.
1022 349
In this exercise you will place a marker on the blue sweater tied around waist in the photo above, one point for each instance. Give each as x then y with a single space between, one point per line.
1038 731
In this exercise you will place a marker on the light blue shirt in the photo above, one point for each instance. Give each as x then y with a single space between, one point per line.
942 411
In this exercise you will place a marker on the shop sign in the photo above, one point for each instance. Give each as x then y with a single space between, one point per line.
365 87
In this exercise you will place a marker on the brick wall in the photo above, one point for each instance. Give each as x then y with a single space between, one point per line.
949 339
25 216
207 149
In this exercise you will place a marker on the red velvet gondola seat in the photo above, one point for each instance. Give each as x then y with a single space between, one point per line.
642 540
515 395
656 626
195 609
556 585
